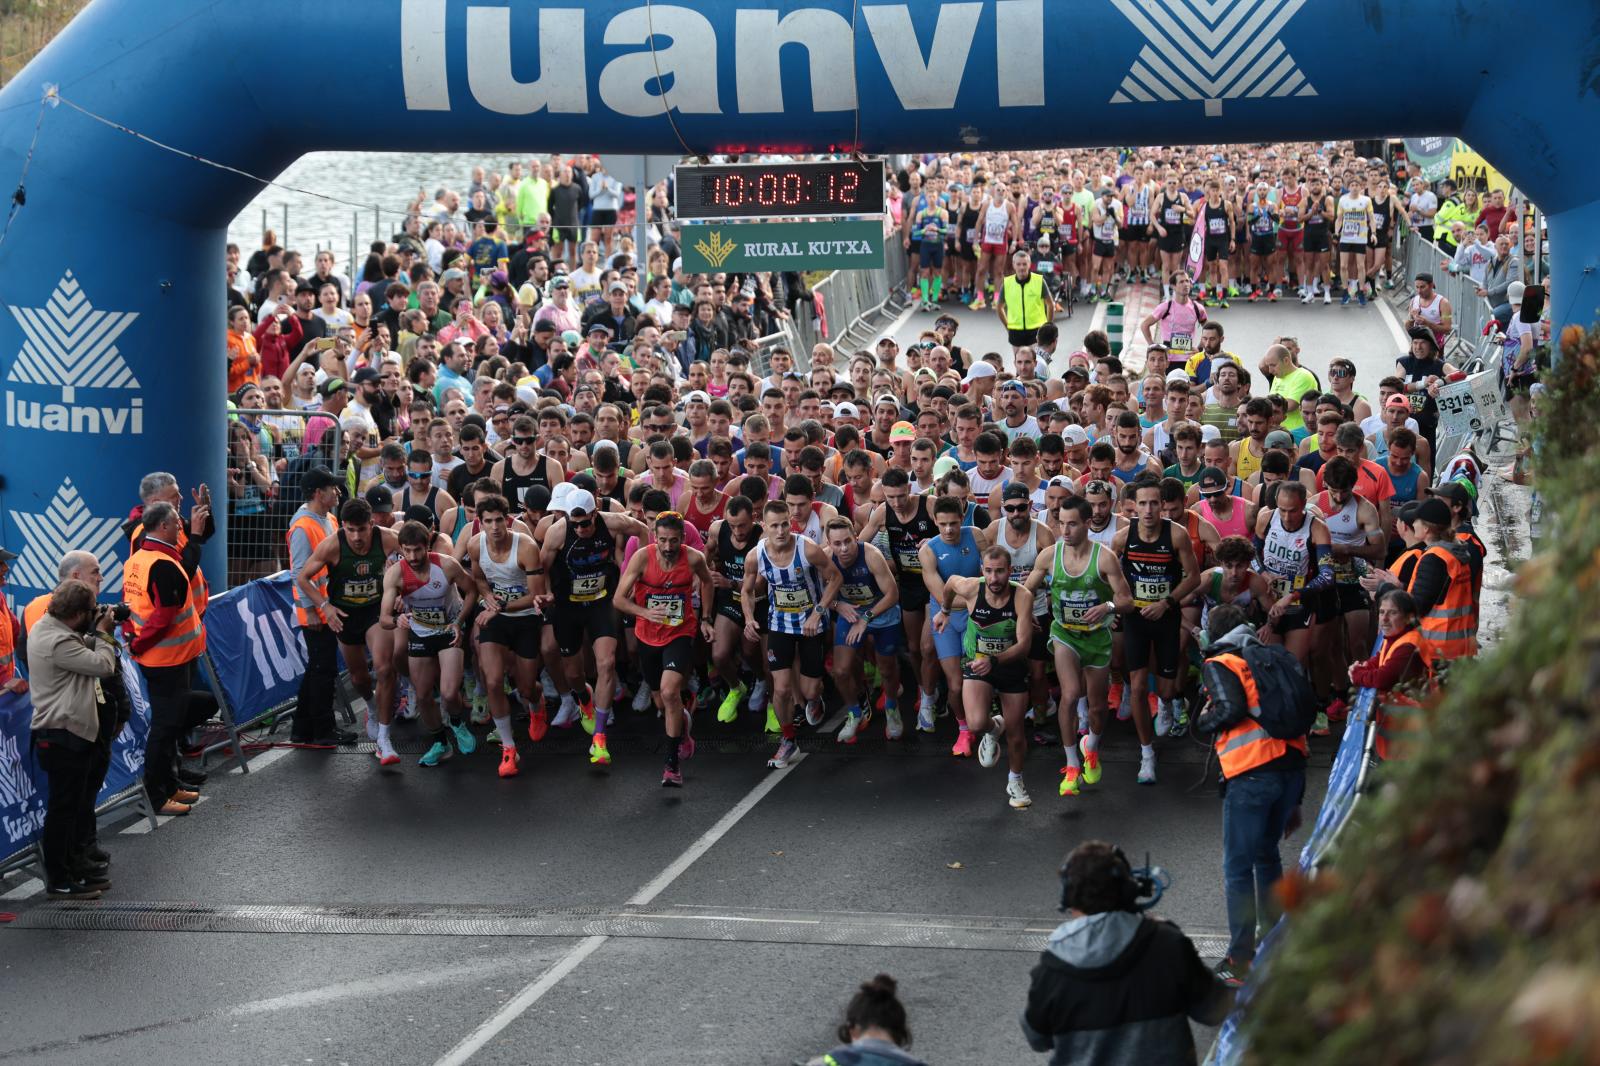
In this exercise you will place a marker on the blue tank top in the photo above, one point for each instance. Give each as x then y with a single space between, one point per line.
793 591
957 560
860 590
1405 485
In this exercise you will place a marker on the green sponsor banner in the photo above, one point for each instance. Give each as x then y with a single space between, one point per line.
744 246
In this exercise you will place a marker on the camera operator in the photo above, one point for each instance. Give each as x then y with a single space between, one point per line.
1115 986
70 650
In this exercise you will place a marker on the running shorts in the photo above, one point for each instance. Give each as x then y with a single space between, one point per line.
725 607
1290 240
1105 249
993 249
1316 239
1172 242
519 633
677 656
885 639
1352 248
1023 337
1010 678
1039 648
1136 234
1091 646
913 594
1140 637
949 644
933 254
579 623
357 620
419 646
1217 248
785 649
1263 244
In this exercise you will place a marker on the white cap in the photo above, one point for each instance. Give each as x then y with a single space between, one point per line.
528 394
601 445
558 497
887 398
1177 373
1209 433
846 410
677 265
1514 293
979 369
697 397
1074 435
1062 481
578 500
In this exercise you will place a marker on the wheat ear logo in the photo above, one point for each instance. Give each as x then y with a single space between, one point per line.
66 524
716 250
69 344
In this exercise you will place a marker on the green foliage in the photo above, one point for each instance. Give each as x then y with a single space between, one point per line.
1461 921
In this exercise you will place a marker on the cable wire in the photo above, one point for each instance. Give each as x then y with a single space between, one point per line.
20 197
661 89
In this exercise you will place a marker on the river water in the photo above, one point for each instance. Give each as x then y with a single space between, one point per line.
387 181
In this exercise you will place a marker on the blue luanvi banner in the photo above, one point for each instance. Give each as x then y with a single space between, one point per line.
253 646
24 787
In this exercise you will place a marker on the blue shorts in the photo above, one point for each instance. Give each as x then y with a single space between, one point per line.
932 254
884 633
949 644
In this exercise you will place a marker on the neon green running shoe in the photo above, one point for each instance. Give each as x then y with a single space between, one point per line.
728 709
772 720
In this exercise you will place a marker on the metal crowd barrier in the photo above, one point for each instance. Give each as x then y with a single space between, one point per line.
258 516
856 304
1471 312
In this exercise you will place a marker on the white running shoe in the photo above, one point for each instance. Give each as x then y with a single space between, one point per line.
641 698
1147 769
386 755
893 727
551 693
1163 718
847 732
989 746
1327 297
758 696
1017 795
568 713
925 718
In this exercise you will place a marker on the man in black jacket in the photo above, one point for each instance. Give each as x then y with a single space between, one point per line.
1115 987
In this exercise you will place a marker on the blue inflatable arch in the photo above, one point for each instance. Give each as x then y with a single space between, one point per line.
111 341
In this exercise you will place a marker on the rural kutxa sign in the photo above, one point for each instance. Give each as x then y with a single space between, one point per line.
750 246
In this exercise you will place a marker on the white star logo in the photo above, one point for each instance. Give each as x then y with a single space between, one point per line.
70 344
66 525
1210 51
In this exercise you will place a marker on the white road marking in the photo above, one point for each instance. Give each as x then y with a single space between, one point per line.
531 994
31 887
387 985
1402 340
267 758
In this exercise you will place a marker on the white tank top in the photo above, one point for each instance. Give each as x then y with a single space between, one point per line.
1284 555
1022 559
1432 312
1104 536
811 529
1344 527
506 577
995 220
982 486
435 605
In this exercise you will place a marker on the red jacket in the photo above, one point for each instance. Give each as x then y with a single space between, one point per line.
277 350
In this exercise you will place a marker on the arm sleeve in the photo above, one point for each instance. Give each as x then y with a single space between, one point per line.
1227 705
1324 574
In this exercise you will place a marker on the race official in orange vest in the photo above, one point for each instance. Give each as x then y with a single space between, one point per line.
1264 782
11 635
313 721
1445 584
1400 672
166 634
162 487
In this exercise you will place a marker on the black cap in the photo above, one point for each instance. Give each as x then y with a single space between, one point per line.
1211 477
304 286
1015 491
366 374
536 498
419 512
1075 371
380 499
1423 333
318 477
1434 511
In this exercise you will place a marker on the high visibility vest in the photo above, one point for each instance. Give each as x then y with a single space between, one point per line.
35 611
9 627
1396 714
137 538
186 637
1246 746
1450 628
317 533
1024 303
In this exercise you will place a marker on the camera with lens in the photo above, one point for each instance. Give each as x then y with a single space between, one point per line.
117 612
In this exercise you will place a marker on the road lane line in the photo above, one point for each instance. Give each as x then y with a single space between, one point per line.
1402 340
532 993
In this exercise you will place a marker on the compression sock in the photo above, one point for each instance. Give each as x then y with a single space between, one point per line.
922 286
502 726
672 751
938 287
601 716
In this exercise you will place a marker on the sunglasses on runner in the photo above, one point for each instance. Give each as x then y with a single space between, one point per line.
1015 508
523 440
415 476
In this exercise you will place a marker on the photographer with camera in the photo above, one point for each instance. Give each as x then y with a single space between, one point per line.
1114 986
71 654
166 599
1260 707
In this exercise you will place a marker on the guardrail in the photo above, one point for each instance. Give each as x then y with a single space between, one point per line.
1471 312
852 305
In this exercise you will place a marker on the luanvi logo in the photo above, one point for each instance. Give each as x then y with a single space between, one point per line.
1210 51
65 524
67 346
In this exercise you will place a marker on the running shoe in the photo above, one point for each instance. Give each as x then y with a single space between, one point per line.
758 695
686 745
1327 297
978 304
963 745
893 727
641 698
1180 716
1070 776
1233 290
1223 303
925 718
1163 718
1305 296
1255 294
1117 696
814 711
989 746
772 720
787 750
386 754
510 762
728 709
1319 728
1091 762
852 726
1229 973
466 743
671 778
1275 295
1147 769
1344 301
1361 298
568 714
1017 795
586 710
372 725
438 753
538 724
599 754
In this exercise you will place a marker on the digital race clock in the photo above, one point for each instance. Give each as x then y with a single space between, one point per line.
779 190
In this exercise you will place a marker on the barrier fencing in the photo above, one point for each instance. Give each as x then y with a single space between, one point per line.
853 304
268 454
1470 312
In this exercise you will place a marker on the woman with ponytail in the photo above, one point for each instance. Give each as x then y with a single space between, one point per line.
875 1031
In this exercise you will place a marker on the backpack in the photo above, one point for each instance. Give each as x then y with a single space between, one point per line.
1288 704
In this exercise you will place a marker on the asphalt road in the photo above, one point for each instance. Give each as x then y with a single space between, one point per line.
319 910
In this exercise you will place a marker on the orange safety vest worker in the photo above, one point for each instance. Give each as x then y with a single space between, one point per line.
137 538
1450 628
10 629
1247 746
1396 714
35 611
186 636
315 532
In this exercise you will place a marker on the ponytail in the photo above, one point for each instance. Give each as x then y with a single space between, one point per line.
876 1006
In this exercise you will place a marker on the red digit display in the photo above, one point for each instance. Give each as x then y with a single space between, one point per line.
829 188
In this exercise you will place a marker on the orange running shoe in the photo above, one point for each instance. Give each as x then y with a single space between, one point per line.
510 762
963 744
538 724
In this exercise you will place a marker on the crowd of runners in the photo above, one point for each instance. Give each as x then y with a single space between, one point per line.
571 489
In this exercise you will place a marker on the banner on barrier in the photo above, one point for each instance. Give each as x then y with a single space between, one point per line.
24 787
254 647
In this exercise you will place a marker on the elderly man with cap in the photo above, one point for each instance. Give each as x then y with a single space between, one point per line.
614 312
